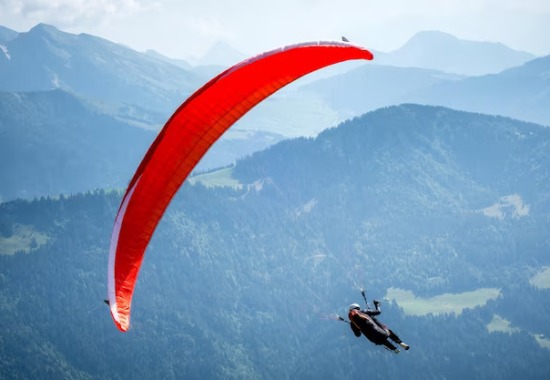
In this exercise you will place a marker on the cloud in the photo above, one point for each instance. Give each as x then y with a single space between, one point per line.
181 28
70 13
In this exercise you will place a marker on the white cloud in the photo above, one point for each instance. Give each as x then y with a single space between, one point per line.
179 28
70 13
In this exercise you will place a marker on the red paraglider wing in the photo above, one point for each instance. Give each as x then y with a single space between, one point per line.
186 137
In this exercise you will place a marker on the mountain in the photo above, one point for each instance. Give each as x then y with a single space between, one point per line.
370 86
431 50
95 105
176 62
54 142
141 89
45 58
444 213
520 92
221 54
431 68
131 89
7 34
444 52
110 73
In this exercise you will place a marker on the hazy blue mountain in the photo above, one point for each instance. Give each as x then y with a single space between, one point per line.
521 92
444 52
45 58
173 61
53 142
243 283
114 89
370 86
7 34
221 54
432 50
140 90
98 69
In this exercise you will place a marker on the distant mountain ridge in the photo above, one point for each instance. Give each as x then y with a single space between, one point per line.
369 87
45 58
98 69
6 34
520 92
444 52
124 89
220 54
53 142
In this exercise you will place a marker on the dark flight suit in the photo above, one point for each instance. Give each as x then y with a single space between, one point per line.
363 321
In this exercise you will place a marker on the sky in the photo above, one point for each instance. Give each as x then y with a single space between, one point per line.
184 28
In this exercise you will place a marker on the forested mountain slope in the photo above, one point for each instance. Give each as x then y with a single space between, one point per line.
246 282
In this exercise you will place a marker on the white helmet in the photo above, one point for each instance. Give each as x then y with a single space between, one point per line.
354 306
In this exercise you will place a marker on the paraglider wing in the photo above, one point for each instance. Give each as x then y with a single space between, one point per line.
186 137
